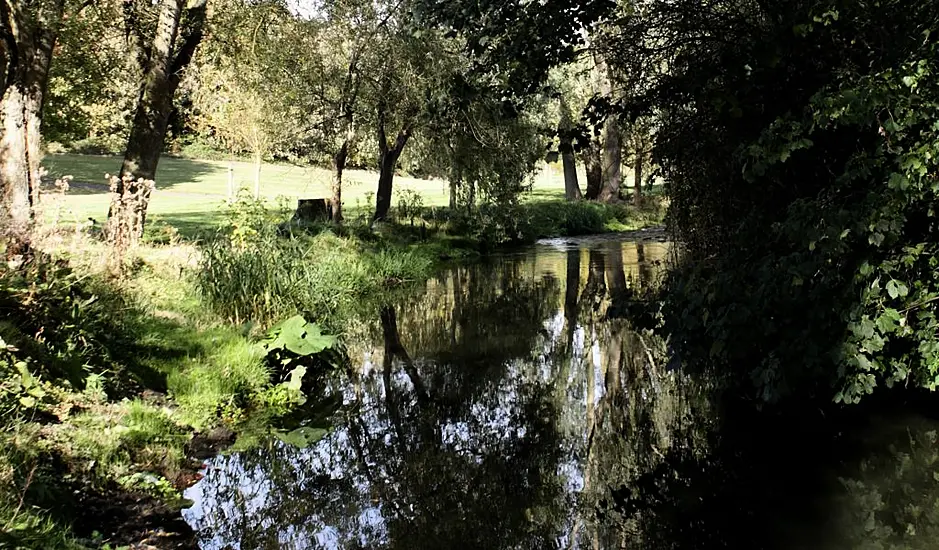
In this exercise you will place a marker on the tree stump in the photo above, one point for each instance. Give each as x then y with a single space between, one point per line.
313 210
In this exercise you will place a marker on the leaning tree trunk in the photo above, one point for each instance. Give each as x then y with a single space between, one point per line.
163 68
28 43
594 168
387 162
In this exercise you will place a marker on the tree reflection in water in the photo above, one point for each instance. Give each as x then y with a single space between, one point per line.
497 407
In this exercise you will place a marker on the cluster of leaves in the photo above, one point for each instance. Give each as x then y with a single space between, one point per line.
892 499
805 185
301 345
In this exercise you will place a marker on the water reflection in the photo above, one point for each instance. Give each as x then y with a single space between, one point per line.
512 404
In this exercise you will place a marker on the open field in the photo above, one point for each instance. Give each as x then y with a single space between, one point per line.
190 193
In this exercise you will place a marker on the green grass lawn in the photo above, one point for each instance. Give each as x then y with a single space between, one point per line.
190 193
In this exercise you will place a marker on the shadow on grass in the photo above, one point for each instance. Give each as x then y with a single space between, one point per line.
89 170
191 226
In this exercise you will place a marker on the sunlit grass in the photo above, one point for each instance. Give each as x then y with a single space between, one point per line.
191 194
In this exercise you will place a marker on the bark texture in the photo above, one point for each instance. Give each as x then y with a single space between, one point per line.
162 65
566 148
27 38
612 167
594 168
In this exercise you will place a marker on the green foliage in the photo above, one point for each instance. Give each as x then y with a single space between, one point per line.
410 205
251 272
804 187
496 224
297 336
892 500
61 324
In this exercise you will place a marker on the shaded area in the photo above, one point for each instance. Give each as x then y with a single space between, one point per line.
513 403
89 171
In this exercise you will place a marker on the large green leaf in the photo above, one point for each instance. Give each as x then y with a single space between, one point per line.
299 336
302 437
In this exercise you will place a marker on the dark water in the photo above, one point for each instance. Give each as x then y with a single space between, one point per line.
512 404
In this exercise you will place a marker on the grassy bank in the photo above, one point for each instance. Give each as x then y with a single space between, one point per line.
109 391
113 389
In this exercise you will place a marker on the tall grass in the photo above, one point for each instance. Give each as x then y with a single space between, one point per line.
268 277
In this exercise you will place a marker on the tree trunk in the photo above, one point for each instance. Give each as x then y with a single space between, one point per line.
339 166
162 74
571 186
15 184
612 162
568 162
257 176
387 162
612 146
594 168
386 174
231 181
27 47
637 172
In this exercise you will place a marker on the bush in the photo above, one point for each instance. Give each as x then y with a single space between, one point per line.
99 145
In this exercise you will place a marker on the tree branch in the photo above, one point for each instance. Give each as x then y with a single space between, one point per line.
136 42
195 31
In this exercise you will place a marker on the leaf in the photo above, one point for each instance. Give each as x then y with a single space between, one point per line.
896 289
302 437
28 401
298 336
296 378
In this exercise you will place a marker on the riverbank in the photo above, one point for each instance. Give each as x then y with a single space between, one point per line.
115 389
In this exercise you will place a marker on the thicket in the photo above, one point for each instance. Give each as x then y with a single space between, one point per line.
800 154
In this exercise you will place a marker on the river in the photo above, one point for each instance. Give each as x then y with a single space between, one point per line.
512 403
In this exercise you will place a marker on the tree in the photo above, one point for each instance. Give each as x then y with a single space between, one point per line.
612 152
411 70
161 60
231 109
27 38
566 148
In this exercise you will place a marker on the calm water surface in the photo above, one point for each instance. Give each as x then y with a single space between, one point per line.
511 403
